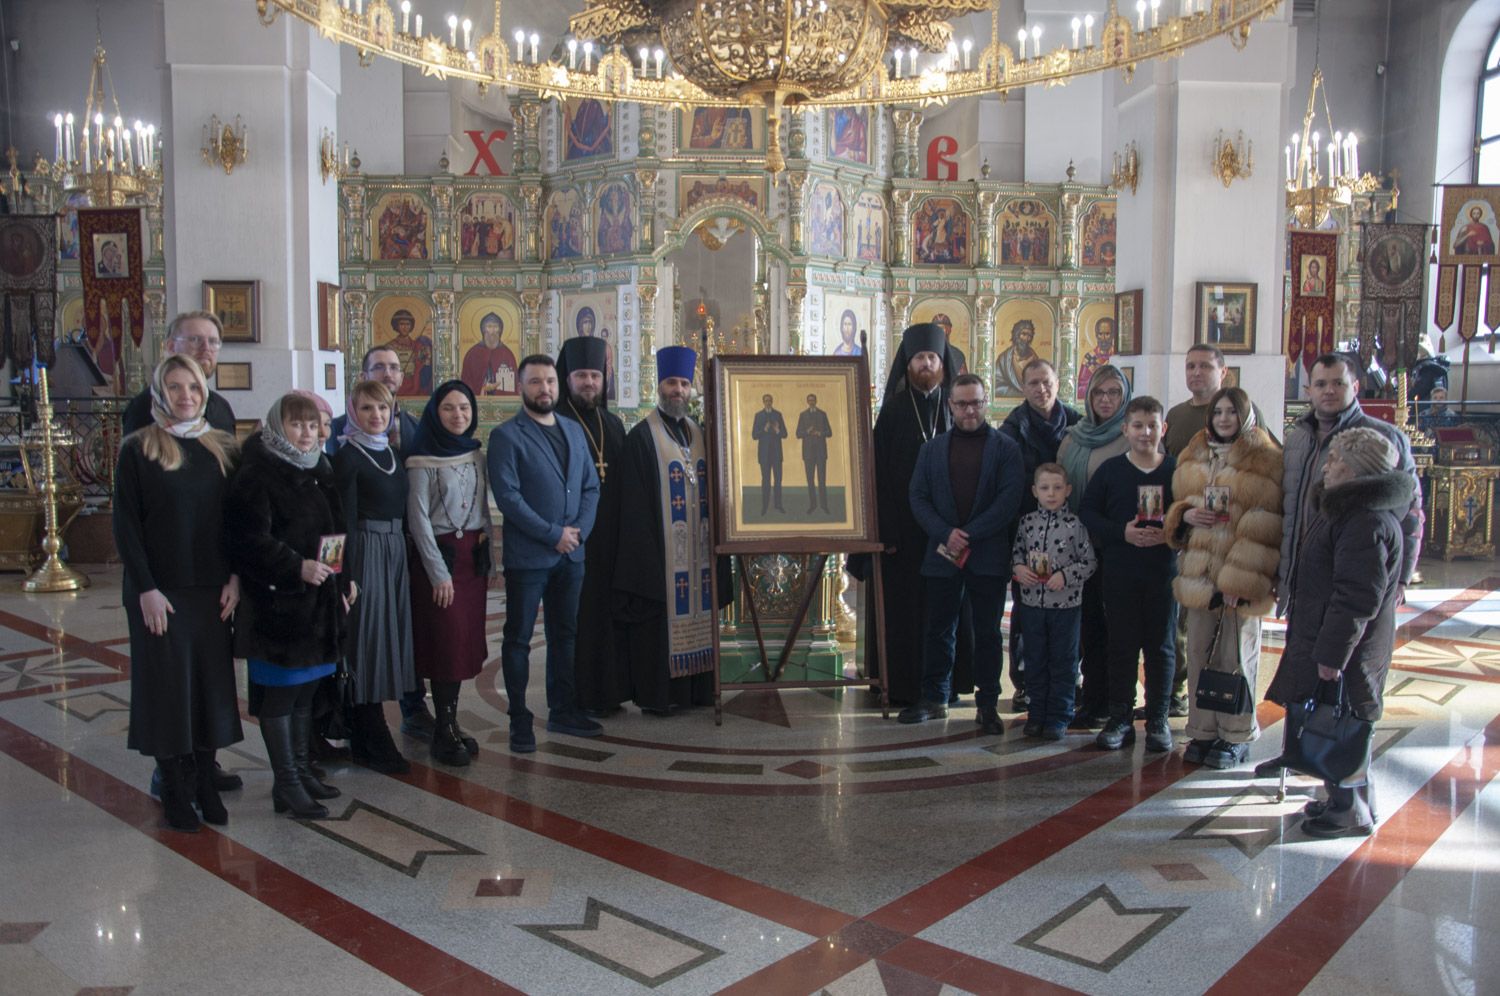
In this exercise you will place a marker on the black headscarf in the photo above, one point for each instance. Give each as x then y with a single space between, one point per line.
583 353
923 338
433 438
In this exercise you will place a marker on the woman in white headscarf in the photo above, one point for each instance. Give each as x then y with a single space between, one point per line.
179 591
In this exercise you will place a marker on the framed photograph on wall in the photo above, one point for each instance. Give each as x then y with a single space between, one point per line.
233 377
1231 377
237 303
1128 322
799 419
330 324
330 377
1224 315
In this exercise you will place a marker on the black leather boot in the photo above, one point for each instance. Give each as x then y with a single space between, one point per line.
177 794
301 753
287 792
447 748
209 803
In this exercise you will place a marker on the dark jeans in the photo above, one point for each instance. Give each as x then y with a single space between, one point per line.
556 590
1142 623
770 472
944 596
1093 644
1050 641
1016 665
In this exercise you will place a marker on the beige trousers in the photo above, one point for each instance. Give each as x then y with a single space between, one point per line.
1238 650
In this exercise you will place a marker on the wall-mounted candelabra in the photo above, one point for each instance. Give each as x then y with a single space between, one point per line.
1127 171
1234 160
225 145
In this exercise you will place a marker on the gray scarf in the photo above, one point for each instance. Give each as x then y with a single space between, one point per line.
274 436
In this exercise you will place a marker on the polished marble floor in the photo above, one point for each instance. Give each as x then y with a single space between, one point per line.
804 846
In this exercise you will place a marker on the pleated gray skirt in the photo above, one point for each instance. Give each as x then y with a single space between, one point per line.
380 647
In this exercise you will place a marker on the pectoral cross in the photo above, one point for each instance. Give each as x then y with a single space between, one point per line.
600 465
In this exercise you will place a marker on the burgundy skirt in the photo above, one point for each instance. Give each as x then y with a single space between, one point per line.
450 644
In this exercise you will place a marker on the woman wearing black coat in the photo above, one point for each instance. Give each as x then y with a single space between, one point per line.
1342 615
281 506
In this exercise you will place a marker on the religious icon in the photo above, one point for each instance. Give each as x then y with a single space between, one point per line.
721 129
22 252
237 303
845 316
563 225
1098 241
1225 315
588 129
1216 500
487 228
693 189
849 134
790 464
940 232
615 228
827 220
331 551
1474 233
1025 234
1314 277
403 324
1148 505
111 256
1392 262
869 227
1040 564
487 328
402 228
1101 353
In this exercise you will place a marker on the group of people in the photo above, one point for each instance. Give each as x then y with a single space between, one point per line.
348 559
1137 539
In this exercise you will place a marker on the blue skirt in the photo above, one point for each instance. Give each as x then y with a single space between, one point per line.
275 676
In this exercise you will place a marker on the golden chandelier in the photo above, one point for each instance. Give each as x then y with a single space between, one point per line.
775 53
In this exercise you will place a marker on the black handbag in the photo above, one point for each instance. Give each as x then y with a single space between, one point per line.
1222 691
1325 739
341 695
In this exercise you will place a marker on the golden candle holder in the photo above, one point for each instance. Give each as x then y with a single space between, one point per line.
53 574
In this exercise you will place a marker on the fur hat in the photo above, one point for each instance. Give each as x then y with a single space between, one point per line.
1364 451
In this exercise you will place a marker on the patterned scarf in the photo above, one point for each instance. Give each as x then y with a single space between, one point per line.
352 431
274 436
161 410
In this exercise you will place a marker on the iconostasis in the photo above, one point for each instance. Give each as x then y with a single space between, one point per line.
640 225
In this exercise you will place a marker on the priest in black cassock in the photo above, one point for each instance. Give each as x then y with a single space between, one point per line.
602 683
662 602
913 410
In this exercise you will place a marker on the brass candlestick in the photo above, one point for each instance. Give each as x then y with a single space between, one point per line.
53 574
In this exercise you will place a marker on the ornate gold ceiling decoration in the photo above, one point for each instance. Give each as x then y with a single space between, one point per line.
775 53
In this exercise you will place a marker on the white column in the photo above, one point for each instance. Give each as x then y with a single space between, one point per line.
273 219
1182 226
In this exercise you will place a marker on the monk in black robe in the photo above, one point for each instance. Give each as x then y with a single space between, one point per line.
665 643
914 409
601 681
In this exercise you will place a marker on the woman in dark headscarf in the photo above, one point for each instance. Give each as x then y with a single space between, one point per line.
448 519
283 520
1093 440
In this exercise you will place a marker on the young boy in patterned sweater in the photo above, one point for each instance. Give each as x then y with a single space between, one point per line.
1052 558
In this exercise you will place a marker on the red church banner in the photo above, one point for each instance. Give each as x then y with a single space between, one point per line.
110 254
1468 242
1314 264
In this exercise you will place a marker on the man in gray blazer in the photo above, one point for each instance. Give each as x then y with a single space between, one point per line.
545 484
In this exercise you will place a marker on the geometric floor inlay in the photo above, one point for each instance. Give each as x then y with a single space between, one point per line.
89 706
1098 931
32 672
487 883
644 952
876 978
1251 820
386 837
1434 691
1183 870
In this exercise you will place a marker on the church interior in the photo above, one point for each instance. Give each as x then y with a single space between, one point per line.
1101 184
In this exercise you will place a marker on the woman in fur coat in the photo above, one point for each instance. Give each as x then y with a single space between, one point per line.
1342 623
1227 523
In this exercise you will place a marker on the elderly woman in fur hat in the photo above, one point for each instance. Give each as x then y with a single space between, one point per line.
1227 523
1342 619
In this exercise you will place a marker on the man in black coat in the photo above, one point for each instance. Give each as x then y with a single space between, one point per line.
582 366
814 429
768 430
1038 427
200 335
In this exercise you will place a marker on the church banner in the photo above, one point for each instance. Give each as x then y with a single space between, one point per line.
1390 315
1468 241
1314 262
28 280
111 254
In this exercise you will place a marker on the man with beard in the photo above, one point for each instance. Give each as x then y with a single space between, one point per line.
914 410
547 489
581 368
200 335
663 606
383 364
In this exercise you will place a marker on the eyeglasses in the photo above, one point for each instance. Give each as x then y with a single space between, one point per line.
967 404
197 342
1109 392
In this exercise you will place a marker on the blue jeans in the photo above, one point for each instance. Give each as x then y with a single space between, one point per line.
556 590
1049 639
944 597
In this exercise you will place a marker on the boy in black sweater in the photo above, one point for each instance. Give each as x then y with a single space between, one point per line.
1123 507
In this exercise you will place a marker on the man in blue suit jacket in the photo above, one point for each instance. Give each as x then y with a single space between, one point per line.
965 494
384 365
547 489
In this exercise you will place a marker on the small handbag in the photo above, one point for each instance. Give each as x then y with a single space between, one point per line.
341 696
1325 739
1222 691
